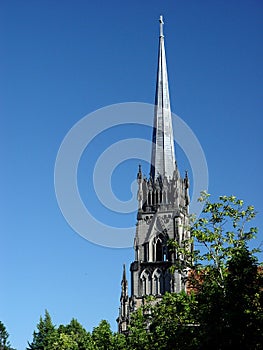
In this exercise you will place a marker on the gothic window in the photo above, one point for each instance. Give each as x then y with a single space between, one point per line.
144 285
146 251
157 282
159 250
154 197
150 198
155 285
146 282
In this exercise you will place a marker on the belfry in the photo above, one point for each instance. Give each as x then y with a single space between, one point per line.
163 211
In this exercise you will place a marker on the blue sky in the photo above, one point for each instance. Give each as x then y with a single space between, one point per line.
63 60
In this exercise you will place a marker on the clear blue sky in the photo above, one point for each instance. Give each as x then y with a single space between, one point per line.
61 60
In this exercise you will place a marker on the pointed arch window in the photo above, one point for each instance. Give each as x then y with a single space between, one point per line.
150 197
157 282
146 283
159 250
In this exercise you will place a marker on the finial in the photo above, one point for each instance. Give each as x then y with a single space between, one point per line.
161 26
139 175
124 273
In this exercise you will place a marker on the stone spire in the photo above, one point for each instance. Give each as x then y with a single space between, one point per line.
123 318
163 157
124 282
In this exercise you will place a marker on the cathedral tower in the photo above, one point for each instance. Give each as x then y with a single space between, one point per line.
163 215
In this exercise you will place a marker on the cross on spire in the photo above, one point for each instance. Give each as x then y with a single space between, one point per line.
161 25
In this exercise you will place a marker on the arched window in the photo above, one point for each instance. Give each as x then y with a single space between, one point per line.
146 251
150 198
144 285
146 282
157 282
159 250
154 198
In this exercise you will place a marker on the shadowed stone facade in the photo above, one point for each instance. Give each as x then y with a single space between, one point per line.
163 215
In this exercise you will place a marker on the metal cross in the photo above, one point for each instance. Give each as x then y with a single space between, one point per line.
161 25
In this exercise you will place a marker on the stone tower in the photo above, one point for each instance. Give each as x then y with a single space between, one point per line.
163 215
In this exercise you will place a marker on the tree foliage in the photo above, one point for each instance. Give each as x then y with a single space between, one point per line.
63 342
174 322
138 334
74 337
225 275
45 335
77 333
4 342
243 302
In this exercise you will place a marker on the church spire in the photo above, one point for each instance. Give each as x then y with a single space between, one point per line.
124 285
124 279
123 318
163 157
163 201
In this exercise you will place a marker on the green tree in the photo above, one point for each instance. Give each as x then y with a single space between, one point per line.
78 334
119 342
225 275
220 232
164 324
173 324
233 318
102 336
244 307
139 337
45 336
4 342
63 342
